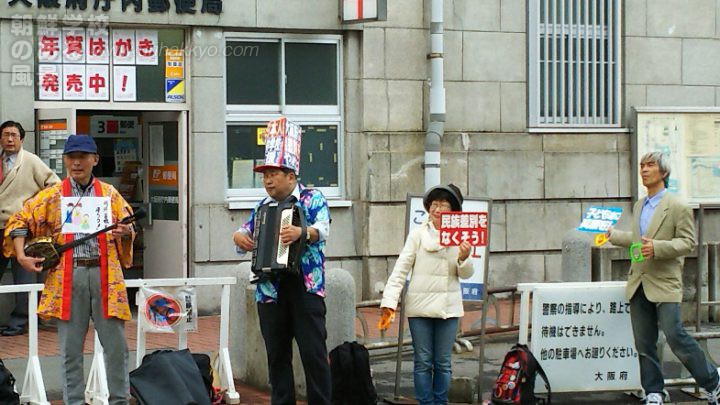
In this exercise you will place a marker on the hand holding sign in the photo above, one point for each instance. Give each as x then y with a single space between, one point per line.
464 251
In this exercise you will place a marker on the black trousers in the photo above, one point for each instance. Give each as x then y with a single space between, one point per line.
300 315
19 315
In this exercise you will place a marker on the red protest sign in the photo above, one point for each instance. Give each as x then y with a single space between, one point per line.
457 227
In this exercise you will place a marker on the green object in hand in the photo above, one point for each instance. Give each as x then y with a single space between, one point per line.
636 255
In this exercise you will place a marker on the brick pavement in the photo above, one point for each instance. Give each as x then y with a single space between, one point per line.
206 339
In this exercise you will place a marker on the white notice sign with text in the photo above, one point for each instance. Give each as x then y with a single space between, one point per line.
582 337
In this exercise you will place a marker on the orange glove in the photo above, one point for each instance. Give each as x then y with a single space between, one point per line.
388 315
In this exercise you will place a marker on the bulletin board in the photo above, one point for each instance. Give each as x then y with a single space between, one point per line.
691 137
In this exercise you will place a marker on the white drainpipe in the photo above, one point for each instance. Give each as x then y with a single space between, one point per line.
436 126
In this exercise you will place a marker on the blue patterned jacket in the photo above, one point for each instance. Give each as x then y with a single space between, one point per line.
312 262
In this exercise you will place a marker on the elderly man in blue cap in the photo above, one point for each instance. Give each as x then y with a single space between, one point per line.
88 281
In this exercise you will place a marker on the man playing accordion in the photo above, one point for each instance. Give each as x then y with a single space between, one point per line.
291 304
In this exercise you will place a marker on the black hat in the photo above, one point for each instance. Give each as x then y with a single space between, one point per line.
443 192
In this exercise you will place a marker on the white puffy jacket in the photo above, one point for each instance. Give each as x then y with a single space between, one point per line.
434 290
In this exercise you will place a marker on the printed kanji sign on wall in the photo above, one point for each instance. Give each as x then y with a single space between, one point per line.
73 49
74 82
124 83
50 82
98 82
123 47
49 45
147 47
98 47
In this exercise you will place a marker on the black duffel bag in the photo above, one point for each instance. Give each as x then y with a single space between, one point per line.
169 377
8 396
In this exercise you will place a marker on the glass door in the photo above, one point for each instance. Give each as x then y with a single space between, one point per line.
164 135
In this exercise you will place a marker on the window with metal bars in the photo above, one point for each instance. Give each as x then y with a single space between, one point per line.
574 63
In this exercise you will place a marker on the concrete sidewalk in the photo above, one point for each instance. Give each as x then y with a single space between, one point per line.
13 350
466 365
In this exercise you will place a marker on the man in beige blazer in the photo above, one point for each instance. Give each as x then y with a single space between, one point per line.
664 226
22 174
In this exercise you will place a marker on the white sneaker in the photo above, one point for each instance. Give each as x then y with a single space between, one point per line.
713 396
654 399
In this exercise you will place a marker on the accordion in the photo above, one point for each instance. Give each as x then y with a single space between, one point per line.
271 258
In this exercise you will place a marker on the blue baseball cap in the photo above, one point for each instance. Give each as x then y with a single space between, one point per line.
80 143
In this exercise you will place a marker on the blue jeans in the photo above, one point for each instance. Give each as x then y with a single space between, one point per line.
433 340
646 316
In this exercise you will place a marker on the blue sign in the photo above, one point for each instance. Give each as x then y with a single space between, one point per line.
599 219
175 90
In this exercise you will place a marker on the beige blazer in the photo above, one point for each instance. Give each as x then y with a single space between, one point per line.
28 176
672 230
434 290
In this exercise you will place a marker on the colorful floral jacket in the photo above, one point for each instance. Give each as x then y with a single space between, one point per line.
41 217
313 204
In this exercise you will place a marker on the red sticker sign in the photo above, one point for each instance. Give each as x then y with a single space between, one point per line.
162 310
458 227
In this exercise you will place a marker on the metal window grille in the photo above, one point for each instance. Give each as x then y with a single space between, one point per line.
574 63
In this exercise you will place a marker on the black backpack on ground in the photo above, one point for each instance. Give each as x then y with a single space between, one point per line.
8 396
515 385
351 380
203 362
169 377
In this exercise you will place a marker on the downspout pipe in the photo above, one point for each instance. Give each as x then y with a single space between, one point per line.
436 123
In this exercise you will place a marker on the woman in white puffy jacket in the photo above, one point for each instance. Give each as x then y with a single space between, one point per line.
433 302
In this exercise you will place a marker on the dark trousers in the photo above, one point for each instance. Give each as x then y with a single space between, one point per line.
650 317
19 315
300 315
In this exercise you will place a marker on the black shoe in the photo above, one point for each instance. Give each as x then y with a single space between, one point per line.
13 332
47 325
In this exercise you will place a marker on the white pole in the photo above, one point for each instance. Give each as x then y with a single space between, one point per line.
436 126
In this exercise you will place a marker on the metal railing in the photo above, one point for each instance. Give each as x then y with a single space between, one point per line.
33 390
474 331
96 393
461 342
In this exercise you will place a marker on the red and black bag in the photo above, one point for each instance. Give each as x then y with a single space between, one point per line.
515 385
